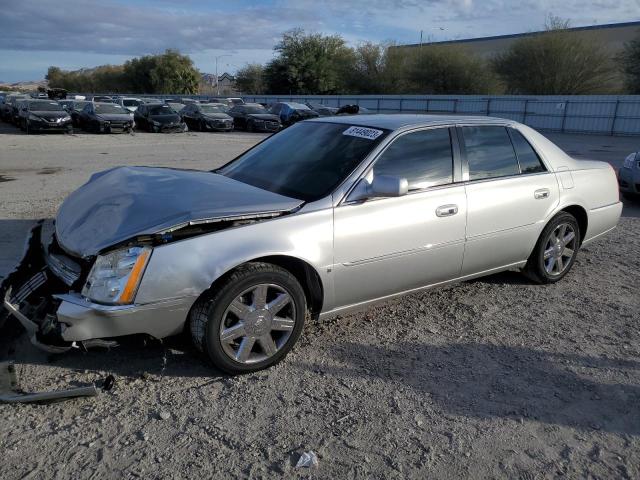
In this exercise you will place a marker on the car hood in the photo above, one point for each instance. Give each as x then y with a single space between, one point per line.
115 117
125 202
166 119
216 116
49 115
265 116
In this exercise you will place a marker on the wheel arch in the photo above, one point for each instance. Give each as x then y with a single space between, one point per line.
581 216
304 272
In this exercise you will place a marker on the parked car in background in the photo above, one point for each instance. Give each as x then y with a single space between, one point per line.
228 101
129 103
207 116
6 108
44 116
323 218
291 112
103 99
158 118
16 107
74 107
353 110
253 117
177 106
104 117
629 176
321 109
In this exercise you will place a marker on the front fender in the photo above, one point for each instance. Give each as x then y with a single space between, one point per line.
188 267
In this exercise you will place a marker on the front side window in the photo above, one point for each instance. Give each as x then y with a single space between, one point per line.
490 153
306 161
424 158
527 156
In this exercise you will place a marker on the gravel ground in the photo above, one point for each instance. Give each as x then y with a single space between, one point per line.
493 378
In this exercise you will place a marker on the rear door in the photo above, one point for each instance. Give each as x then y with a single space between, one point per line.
510 193
385 246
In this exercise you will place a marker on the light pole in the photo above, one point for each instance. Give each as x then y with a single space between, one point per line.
217 81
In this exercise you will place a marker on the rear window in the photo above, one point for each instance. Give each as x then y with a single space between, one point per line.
527 156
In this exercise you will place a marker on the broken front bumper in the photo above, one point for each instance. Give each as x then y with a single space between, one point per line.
42 294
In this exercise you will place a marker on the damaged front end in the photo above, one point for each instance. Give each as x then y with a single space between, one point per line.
29 292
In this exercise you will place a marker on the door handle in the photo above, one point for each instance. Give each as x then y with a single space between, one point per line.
446 210
541 193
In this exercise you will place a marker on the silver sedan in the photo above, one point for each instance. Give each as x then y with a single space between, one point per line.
322 218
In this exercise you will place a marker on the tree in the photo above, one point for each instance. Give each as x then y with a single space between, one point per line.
433 69
377 68
137 72
174 73
251 79
309 64
630 62
555 62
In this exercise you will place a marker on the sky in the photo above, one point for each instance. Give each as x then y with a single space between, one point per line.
72 34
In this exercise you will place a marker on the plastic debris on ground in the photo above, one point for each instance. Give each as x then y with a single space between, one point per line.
307 460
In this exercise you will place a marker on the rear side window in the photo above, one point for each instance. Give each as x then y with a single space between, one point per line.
424 158
489 152
527 156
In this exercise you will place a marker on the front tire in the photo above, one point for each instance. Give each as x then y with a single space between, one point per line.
252 319
556 250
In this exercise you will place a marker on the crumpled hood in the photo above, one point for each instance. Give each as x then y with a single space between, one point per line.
124 202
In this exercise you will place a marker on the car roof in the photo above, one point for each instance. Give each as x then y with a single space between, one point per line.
392 121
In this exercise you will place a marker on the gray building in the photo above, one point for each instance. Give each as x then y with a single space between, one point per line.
613 36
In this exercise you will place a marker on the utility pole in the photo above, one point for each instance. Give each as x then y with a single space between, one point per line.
217 79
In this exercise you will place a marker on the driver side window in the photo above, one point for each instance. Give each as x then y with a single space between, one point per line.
424 158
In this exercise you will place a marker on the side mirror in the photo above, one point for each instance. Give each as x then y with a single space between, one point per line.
383 186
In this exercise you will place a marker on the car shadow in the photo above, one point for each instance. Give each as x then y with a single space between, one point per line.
496 381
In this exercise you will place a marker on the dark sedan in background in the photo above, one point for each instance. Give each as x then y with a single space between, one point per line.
322 110
74 107
106 118
207 116
158 118
253 117
44 116
291 112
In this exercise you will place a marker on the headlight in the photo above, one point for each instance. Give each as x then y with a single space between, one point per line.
115 277
66 119
628 162
155 124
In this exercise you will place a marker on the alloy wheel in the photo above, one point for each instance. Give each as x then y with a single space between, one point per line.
257 323
559 249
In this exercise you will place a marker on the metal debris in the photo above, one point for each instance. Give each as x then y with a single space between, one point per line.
307 460
11 393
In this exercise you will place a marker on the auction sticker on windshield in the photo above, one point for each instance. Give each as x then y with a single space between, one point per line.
363 132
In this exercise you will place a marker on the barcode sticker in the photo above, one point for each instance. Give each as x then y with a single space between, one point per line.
363 132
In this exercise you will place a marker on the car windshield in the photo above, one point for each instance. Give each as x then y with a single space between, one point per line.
45 107
253 109
306 161
297 106
131 103
176 106
109 108
79 105
161 110
212 108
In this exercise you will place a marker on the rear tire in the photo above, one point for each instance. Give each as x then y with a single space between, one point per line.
259 331
555 251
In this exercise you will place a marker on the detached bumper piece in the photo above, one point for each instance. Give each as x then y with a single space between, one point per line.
11 393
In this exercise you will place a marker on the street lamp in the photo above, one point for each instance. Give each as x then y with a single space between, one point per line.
217 84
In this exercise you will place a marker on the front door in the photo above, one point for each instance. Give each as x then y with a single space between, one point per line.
385 246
